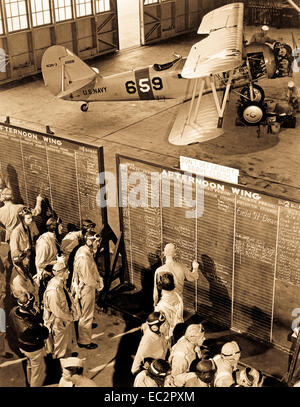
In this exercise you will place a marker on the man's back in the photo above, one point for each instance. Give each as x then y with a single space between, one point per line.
180 273
151 346
9 217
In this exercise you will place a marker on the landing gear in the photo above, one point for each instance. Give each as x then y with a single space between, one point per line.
252 113
84 107
258 94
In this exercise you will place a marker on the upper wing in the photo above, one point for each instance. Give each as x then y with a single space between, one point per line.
221 51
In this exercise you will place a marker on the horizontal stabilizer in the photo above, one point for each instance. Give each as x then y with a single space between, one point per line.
201 128
74 87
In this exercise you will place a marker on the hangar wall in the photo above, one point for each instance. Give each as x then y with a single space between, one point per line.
90 27
28 27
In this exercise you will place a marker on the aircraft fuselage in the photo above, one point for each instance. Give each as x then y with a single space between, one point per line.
140 84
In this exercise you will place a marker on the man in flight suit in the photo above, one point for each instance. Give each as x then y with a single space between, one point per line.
154 374
23 237
202 377
170 303
21 279
72 373
74 238
31 335
47 249
9 212
179 271
71 243
154 343
187 349
86 280
59 313
227 365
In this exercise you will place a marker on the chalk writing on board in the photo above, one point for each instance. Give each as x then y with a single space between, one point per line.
255 249
63 171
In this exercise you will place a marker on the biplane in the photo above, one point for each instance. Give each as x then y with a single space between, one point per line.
203 80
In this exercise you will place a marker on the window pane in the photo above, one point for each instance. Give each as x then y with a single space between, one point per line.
16 23
47 17
83 7
40 12
68 13
61 14
8 12
16 14
39 6
22 8
63 10
23 22
14 10
102 5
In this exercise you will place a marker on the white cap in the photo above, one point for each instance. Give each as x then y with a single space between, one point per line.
71 362
265 28
60 265
291 84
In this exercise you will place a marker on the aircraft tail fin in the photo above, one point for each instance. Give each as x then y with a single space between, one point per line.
63 72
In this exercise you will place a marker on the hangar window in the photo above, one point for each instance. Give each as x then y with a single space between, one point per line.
16 14
40 10
63 10
102 5
150 2
83 8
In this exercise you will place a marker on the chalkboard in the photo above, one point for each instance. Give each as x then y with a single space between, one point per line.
62 171
247 243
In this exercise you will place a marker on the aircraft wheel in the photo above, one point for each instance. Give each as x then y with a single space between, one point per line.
259 94
84 107
253 113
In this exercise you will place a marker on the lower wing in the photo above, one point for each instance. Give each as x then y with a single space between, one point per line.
189 129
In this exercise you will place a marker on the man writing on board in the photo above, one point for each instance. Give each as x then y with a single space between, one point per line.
179 271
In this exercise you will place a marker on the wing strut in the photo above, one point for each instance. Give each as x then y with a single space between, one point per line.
63 76
200 93
221 108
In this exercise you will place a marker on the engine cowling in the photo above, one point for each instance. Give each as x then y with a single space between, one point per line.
261 54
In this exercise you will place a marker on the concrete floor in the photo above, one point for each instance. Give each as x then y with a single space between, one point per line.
110 364
270 163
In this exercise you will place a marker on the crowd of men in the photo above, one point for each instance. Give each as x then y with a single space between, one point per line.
163 361
53 283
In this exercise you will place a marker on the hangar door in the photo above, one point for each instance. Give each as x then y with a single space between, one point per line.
161 19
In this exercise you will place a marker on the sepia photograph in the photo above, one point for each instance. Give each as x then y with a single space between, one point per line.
149 197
